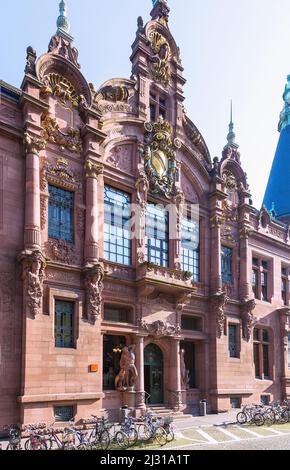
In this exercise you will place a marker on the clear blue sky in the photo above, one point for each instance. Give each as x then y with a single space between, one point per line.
231 49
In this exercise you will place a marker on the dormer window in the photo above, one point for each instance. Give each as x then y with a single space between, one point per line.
157 107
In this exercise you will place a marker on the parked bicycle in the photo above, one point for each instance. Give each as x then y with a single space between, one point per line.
36 440
14 436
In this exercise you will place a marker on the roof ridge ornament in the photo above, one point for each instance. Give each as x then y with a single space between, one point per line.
160 11
62 22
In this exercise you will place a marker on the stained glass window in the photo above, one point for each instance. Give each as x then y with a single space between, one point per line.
190 247
117 236
61 214
64 312
157 235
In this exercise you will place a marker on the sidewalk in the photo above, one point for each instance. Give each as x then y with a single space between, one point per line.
208 420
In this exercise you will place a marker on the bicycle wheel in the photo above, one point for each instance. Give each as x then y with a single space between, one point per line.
283 419
170 435
269 418
161 436
39 444
122 440
242 418
258 419
144 433
133 436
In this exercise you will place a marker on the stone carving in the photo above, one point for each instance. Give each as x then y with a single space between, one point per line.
121 157
216 221
43 211
142 186
161 328
94 278
58 86
113 94
230 180
30 61
33 263
160 158
230 212
248 318
61 251
59 174
60 46
63 277
161 59
185 379
93 169
126 379
33 144
70 140
219 302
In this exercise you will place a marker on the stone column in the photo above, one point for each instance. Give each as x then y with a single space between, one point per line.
175 374
33 145
216 278
93 170
140 395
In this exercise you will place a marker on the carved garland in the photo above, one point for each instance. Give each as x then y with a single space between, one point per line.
51 133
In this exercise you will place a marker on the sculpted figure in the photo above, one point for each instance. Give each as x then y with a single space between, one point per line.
183 371
128 372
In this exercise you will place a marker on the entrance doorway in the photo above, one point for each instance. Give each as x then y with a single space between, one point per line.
153 373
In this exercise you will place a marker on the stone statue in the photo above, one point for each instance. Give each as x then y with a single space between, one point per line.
128 372
185 379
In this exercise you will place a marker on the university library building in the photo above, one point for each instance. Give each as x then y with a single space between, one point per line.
134 269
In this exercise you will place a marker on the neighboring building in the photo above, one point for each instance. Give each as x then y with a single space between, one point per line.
208 320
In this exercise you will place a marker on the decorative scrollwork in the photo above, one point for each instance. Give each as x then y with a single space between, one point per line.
52 133
94 278
160 158
219 302
161 59
60 87
161 328
33 275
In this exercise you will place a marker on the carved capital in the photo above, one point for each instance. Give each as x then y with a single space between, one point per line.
245 232
33 144
93 169
216 221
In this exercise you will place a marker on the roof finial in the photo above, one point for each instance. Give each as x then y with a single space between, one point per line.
62 23
231 135
160 10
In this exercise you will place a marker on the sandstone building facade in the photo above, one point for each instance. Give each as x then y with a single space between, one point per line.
202 299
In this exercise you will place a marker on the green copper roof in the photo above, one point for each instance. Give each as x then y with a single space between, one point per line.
62 21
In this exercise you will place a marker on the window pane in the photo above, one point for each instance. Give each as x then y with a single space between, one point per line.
264 282
190 247
255 283
64 324
233 346
226 262
60 214
117 315
157 233
257 360
117 227
190 323
266 365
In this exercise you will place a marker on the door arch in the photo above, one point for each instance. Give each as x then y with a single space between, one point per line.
153 374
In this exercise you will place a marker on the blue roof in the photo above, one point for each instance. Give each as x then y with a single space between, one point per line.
278 188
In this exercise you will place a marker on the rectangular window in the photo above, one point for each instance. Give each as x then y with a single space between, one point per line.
288 350
285 285
63 413
226 262
157 235
190 248
190 323
265 400
236 402
264 283
162 108
257 360
60 214
118 315
63 330
117 236
255 285
157 107
233 341
189 360
112 351
262 353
